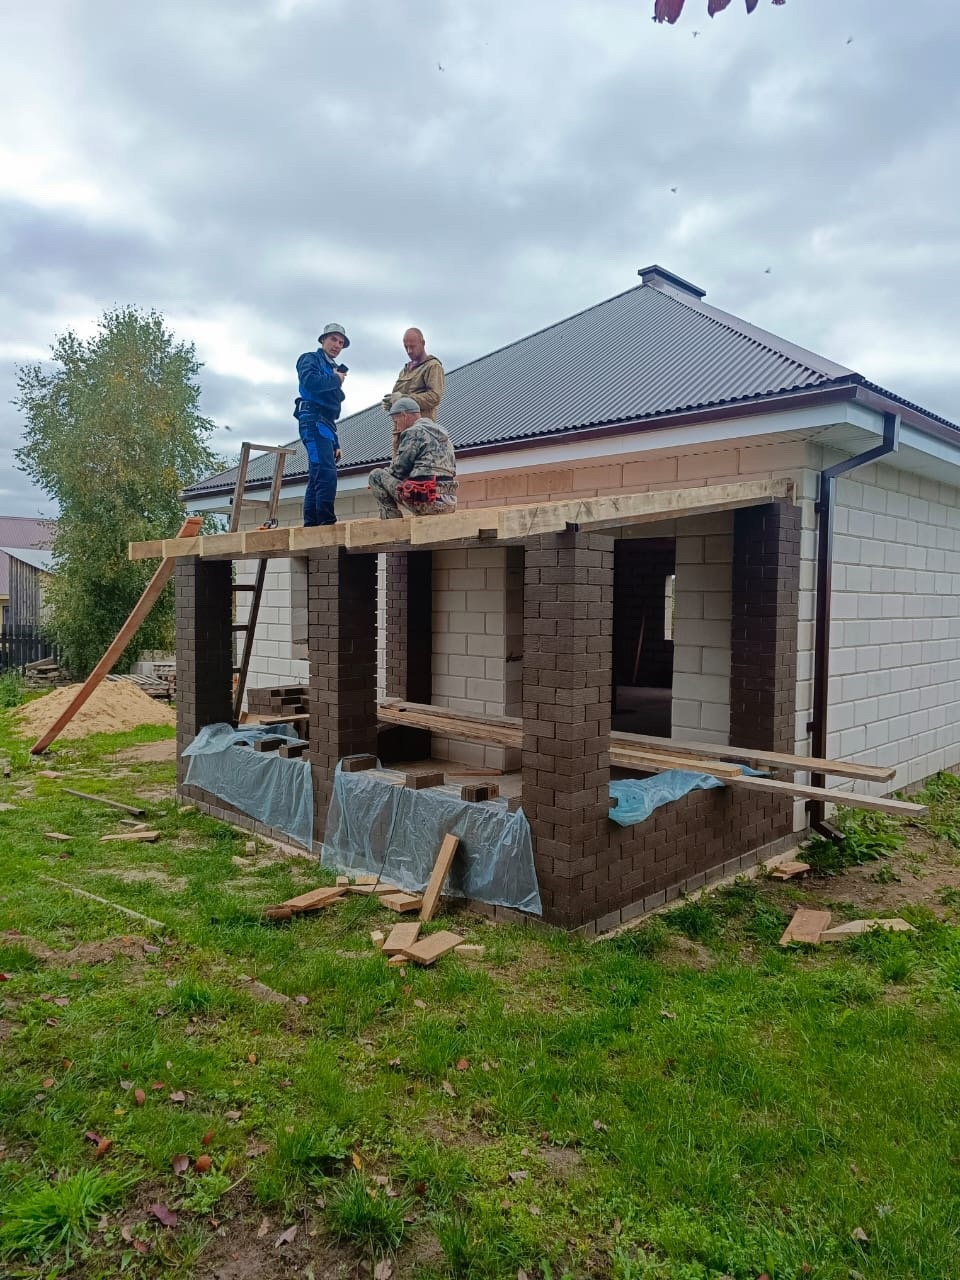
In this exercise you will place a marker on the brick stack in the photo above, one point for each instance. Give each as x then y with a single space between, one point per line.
203 604
278 700
342 614
568 615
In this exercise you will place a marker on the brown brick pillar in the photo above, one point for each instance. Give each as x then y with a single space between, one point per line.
342 644
204 615
409 647
568 627
766 595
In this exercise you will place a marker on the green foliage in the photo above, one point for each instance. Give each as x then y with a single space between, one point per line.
366 1215
941 795
11 689
205 1191
695 919
113 432
865 836
39 1218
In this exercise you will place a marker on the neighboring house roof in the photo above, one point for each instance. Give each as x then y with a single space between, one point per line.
18 534
42 560
655 350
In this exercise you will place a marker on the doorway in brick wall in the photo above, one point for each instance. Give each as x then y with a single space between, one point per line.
643 596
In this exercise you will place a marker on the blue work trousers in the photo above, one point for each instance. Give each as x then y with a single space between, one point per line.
322 477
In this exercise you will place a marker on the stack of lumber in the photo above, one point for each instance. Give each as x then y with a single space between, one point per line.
276 704
153 686
643 754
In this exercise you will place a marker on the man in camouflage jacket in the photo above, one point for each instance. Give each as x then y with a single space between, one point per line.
422 476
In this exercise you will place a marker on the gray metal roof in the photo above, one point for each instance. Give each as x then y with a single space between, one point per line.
653 350
42 560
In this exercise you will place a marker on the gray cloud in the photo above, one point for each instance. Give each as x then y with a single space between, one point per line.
252 169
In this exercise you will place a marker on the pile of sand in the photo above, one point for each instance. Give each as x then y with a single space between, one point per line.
114 707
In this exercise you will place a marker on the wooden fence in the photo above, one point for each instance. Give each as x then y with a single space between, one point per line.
20 644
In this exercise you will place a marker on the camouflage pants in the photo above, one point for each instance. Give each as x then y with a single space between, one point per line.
384 486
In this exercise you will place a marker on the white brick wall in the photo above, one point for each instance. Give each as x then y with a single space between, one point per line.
701 628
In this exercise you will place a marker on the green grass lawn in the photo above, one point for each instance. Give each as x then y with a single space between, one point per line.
687 1101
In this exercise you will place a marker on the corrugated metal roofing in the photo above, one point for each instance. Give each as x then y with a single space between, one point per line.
19 533
639 355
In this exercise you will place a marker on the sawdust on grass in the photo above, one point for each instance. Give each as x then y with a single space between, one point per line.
115 707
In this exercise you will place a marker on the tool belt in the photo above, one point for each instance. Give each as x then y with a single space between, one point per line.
422 490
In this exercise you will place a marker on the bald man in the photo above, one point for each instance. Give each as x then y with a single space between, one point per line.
421 378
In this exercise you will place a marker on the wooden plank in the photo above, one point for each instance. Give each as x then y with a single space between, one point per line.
806 926
261 541
438 876
143 837
400 937
769 759
849 799
855 928
401 902
123 637
362 535
428 950
631 758
314 899
145 550
553 517
315 537
220 546
426 530
174 549
113 804
787 870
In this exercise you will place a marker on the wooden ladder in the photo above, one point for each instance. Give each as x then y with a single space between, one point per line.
256 587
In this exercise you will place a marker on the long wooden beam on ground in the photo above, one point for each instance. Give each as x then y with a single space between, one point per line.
628 751
151 593
475 525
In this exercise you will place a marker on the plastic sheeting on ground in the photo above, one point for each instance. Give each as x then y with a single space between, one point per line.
376 827
261 784
637 798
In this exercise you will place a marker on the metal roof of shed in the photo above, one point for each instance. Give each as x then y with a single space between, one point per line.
653 350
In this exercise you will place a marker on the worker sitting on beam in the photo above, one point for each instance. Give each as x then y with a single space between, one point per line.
422 476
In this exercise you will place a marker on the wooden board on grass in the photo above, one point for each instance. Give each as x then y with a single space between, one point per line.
401 901
430 949
438 876
400 937
787 870
312 901
806 926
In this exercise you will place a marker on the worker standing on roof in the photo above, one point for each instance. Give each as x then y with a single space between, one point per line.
421 378
317 410
422 476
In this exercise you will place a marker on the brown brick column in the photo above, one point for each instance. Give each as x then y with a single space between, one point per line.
409 647
568 624
204 615
342 644
766 595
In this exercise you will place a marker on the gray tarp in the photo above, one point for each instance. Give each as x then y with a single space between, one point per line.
274 791
376 827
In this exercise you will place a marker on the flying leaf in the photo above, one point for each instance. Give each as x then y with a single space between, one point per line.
163 1215
286 1237
181 1163
203 1164
103 1146
139 1097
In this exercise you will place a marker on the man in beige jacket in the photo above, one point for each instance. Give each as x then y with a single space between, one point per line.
421 378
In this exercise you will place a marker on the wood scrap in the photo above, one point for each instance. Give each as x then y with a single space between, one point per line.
400 937
438 876
114 906
56 835
113 804
343 882
856 928
787 870
428 950
378 938
806 926
471 950
314 900
401 902
143 837
847 799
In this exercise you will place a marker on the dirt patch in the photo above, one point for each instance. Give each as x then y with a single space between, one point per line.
160 794
684 953
7 1029
132 946
115 707
163 752
563 1162
918 874
150 875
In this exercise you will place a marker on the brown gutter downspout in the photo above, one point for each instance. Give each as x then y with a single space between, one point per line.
824 600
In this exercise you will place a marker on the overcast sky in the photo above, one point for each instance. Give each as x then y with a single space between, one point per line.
254 168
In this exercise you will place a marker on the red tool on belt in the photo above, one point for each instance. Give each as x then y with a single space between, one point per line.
418 490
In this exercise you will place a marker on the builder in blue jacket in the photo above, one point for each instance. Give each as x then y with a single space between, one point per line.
317 410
